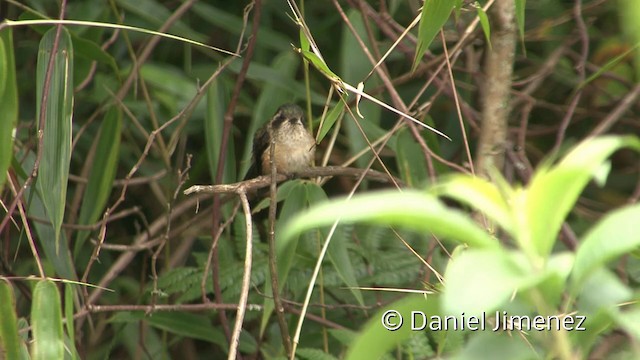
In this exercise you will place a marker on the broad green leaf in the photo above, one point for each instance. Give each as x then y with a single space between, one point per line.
57 110
8 101
103 172
490 345
9 341
478 281
480 194
552 193
46 320
611 292
435 14
613 236
375 340
413 209
630 321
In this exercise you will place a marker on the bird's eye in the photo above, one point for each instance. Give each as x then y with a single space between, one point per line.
279 119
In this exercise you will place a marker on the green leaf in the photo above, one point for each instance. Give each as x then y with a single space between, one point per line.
374 340
411 162
481 195
337 252
213 130
319 64
314 354
520 5
57 110
552 193
103 172
413 209
8 101
329 120
613 236
9 340
484 22
482 280
46 320
68 314
489 345
435 14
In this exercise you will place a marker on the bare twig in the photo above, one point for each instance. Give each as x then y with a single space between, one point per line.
265 180
246 278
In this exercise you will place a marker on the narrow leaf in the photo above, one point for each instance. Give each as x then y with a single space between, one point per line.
53 174
46 319
103 172
9 340
434 15
8 101
329 120
484 22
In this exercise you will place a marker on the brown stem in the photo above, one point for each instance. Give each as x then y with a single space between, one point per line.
497 87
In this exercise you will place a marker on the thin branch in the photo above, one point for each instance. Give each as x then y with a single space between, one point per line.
246 278
265 180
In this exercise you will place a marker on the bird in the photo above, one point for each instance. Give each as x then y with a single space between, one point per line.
294 145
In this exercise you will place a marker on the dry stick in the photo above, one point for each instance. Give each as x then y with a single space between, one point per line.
580 67
182 176
265 180
23 216
246 278
457 101
617 113
226 133
214 245
41 121
273 267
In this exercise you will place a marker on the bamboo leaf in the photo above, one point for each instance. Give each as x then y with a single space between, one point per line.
8 101
9 340
434 15
46 318
57 110
102 174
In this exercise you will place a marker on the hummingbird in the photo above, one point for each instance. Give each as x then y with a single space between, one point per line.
294 145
